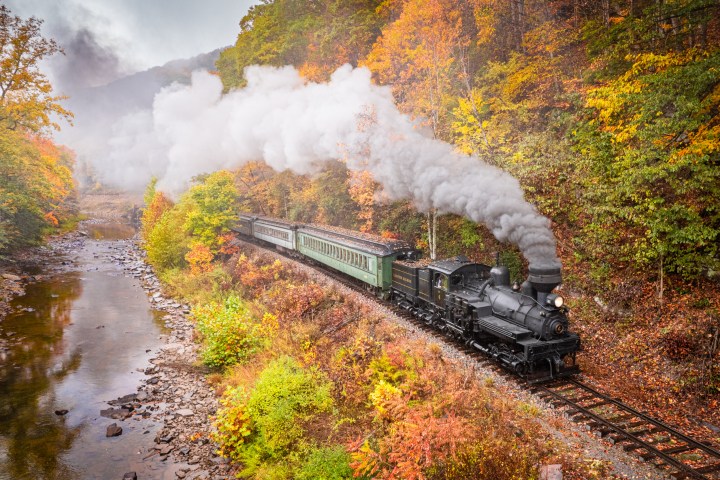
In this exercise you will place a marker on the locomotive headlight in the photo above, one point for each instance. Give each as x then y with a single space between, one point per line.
555 300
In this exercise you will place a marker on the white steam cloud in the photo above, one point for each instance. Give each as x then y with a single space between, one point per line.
292 124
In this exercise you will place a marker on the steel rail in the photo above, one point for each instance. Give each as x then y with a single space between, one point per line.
682 468
698 445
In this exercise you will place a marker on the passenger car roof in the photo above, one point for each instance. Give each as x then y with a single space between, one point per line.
357 240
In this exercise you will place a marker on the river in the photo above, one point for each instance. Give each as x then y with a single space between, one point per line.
74 342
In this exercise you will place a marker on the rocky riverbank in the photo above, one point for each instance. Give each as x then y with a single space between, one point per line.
175 391
23 267
173 400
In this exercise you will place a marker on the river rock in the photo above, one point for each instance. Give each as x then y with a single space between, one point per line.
185 412
129 398
130 476
114 431
10 276
116 413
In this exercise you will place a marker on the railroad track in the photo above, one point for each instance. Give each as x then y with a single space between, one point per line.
672 452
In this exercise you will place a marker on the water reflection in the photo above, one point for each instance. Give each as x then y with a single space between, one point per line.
110 231
73 344
33 437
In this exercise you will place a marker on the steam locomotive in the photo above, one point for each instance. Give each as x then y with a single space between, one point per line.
524 327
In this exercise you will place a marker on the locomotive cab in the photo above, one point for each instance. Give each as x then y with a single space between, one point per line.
453 275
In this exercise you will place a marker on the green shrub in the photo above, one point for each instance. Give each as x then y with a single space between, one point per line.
229 332
167 242
285 399
232 421
285 395
213 286
513 262
213 208
329 463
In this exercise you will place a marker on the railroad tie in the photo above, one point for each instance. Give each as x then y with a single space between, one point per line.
597 404
709 468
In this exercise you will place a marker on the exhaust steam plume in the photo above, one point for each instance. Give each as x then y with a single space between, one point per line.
292 124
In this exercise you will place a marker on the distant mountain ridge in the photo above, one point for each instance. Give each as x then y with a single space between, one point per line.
136 91
101 112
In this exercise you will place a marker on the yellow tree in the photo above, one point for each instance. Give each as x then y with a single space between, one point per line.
417 54
26 100
362 190
36 185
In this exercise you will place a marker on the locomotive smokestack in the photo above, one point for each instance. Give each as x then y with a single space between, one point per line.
543 279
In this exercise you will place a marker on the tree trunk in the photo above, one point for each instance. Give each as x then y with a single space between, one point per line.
465 69
661 288
606 12
576 13
432 232
517 16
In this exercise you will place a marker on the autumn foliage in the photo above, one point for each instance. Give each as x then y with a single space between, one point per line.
335 391
37 191
199 258
606 112
152 212
585 102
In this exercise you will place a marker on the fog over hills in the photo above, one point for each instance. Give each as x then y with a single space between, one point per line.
98 110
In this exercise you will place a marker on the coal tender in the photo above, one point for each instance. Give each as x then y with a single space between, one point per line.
524 327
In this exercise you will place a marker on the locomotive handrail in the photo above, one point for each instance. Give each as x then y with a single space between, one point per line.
483 286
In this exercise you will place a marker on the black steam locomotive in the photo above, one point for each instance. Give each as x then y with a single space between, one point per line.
525 328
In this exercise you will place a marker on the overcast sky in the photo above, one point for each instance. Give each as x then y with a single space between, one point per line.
133 35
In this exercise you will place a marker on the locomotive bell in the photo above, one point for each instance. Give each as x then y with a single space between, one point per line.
543 279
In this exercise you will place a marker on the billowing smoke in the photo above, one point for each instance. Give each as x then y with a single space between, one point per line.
292 124
86 63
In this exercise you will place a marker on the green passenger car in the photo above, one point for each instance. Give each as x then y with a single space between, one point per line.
367 258
278 232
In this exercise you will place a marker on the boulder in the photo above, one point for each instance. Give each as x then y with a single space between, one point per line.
113 431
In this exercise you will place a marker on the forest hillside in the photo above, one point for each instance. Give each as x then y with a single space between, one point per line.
607 112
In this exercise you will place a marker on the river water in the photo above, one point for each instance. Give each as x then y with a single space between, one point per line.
75 342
